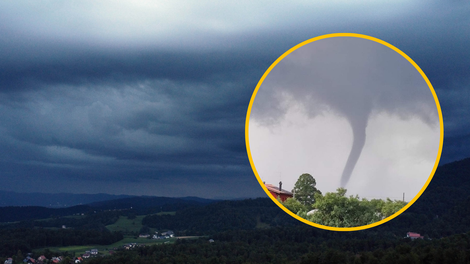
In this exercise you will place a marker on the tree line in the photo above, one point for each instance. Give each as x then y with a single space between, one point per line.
300 245
335 209
226 215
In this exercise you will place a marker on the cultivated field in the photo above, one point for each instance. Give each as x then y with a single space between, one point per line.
127 225
104 249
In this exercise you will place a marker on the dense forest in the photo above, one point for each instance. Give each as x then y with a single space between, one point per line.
257 231
300 245
227 215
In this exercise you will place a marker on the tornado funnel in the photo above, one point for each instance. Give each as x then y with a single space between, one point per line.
359 139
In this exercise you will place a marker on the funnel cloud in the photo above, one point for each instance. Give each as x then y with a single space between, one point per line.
349 77
359 138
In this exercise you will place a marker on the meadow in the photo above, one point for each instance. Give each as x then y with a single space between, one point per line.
129 226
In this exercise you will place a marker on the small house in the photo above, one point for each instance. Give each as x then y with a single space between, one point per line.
41 259
279 192
414 236
168 234
29 260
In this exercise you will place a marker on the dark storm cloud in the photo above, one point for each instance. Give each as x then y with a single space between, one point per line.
128 122
125 134
153 116
94 66
437 39
89 91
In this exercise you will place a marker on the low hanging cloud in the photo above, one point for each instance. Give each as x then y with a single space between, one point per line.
351 77
158 124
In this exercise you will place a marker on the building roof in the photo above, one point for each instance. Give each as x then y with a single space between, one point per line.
275 189
411 234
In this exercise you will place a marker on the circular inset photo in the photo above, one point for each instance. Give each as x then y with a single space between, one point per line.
344 132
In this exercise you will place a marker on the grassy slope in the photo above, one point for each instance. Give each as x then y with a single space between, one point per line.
104 249
126 225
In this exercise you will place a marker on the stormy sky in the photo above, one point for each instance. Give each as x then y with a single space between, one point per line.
150 97
340 103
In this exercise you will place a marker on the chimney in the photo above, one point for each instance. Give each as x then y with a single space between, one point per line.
280 186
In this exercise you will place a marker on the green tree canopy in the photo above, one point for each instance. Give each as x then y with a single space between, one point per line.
335 209
304 189
294 206
338 210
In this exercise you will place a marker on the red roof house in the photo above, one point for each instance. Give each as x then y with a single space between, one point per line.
414 235
279 192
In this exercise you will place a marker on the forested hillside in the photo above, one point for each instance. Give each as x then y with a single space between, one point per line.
301 245
444 208
138 205
257 231
227 215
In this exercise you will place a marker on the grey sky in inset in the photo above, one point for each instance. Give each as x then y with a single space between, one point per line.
357 80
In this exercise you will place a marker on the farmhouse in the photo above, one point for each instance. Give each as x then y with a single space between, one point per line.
414 236
29 260
279 192
41 259
168 234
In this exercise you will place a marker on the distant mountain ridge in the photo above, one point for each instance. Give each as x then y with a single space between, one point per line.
62 200
446 201
153 202
53 200
139 204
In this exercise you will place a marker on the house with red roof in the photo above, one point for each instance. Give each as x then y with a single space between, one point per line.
278 192
414 236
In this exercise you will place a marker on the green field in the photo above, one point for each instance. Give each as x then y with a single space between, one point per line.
128 226
104 249
125 225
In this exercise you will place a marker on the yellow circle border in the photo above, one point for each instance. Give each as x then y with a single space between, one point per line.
334 35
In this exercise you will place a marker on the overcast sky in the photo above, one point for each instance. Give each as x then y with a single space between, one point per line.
150 98
346 102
